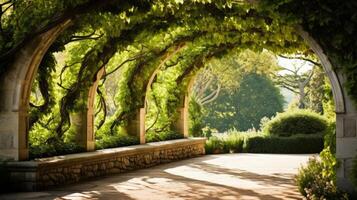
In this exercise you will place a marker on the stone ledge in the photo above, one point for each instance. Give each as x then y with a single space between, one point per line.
43 173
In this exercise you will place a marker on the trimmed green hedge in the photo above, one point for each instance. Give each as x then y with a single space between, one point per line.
284 145
258 143
296 122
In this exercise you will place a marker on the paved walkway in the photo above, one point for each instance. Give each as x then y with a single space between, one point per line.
228 176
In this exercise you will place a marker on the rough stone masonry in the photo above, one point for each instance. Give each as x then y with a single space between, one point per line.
43 173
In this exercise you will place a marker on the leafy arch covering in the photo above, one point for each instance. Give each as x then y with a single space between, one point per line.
172 39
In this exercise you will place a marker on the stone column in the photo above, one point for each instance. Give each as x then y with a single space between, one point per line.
136 125
82 125
346 142
181 123
83 122
14 135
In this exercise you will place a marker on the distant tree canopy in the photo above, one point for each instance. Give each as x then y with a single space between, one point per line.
257 97
227 72
246 92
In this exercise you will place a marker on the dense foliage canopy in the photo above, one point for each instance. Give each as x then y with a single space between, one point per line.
152 49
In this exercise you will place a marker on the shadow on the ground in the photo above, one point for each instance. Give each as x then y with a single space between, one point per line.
188 179
275 179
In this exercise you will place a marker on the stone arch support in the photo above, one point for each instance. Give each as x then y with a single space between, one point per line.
15 87
330 73
83 121
136 124
346 116
182 123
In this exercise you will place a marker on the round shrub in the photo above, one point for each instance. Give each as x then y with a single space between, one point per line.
296 122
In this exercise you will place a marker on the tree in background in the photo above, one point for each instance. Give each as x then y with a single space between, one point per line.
297 80
316 90
310 86
256 98
221 78
227 72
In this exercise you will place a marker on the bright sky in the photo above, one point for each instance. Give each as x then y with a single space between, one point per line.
290 63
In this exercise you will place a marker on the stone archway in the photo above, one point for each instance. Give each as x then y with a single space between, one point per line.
83 121
182 123
346 115
15 87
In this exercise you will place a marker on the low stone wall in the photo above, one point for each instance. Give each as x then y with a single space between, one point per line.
43 173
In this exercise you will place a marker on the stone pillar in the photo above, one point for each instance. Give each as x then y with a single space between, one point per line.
181 123
83 122
136 125
13 135
82 125
346 142
346 148
15 89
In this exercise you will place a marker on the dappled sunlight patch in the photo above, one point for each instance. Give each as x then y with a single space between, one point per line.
178 185
149 187
81 195
220 179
